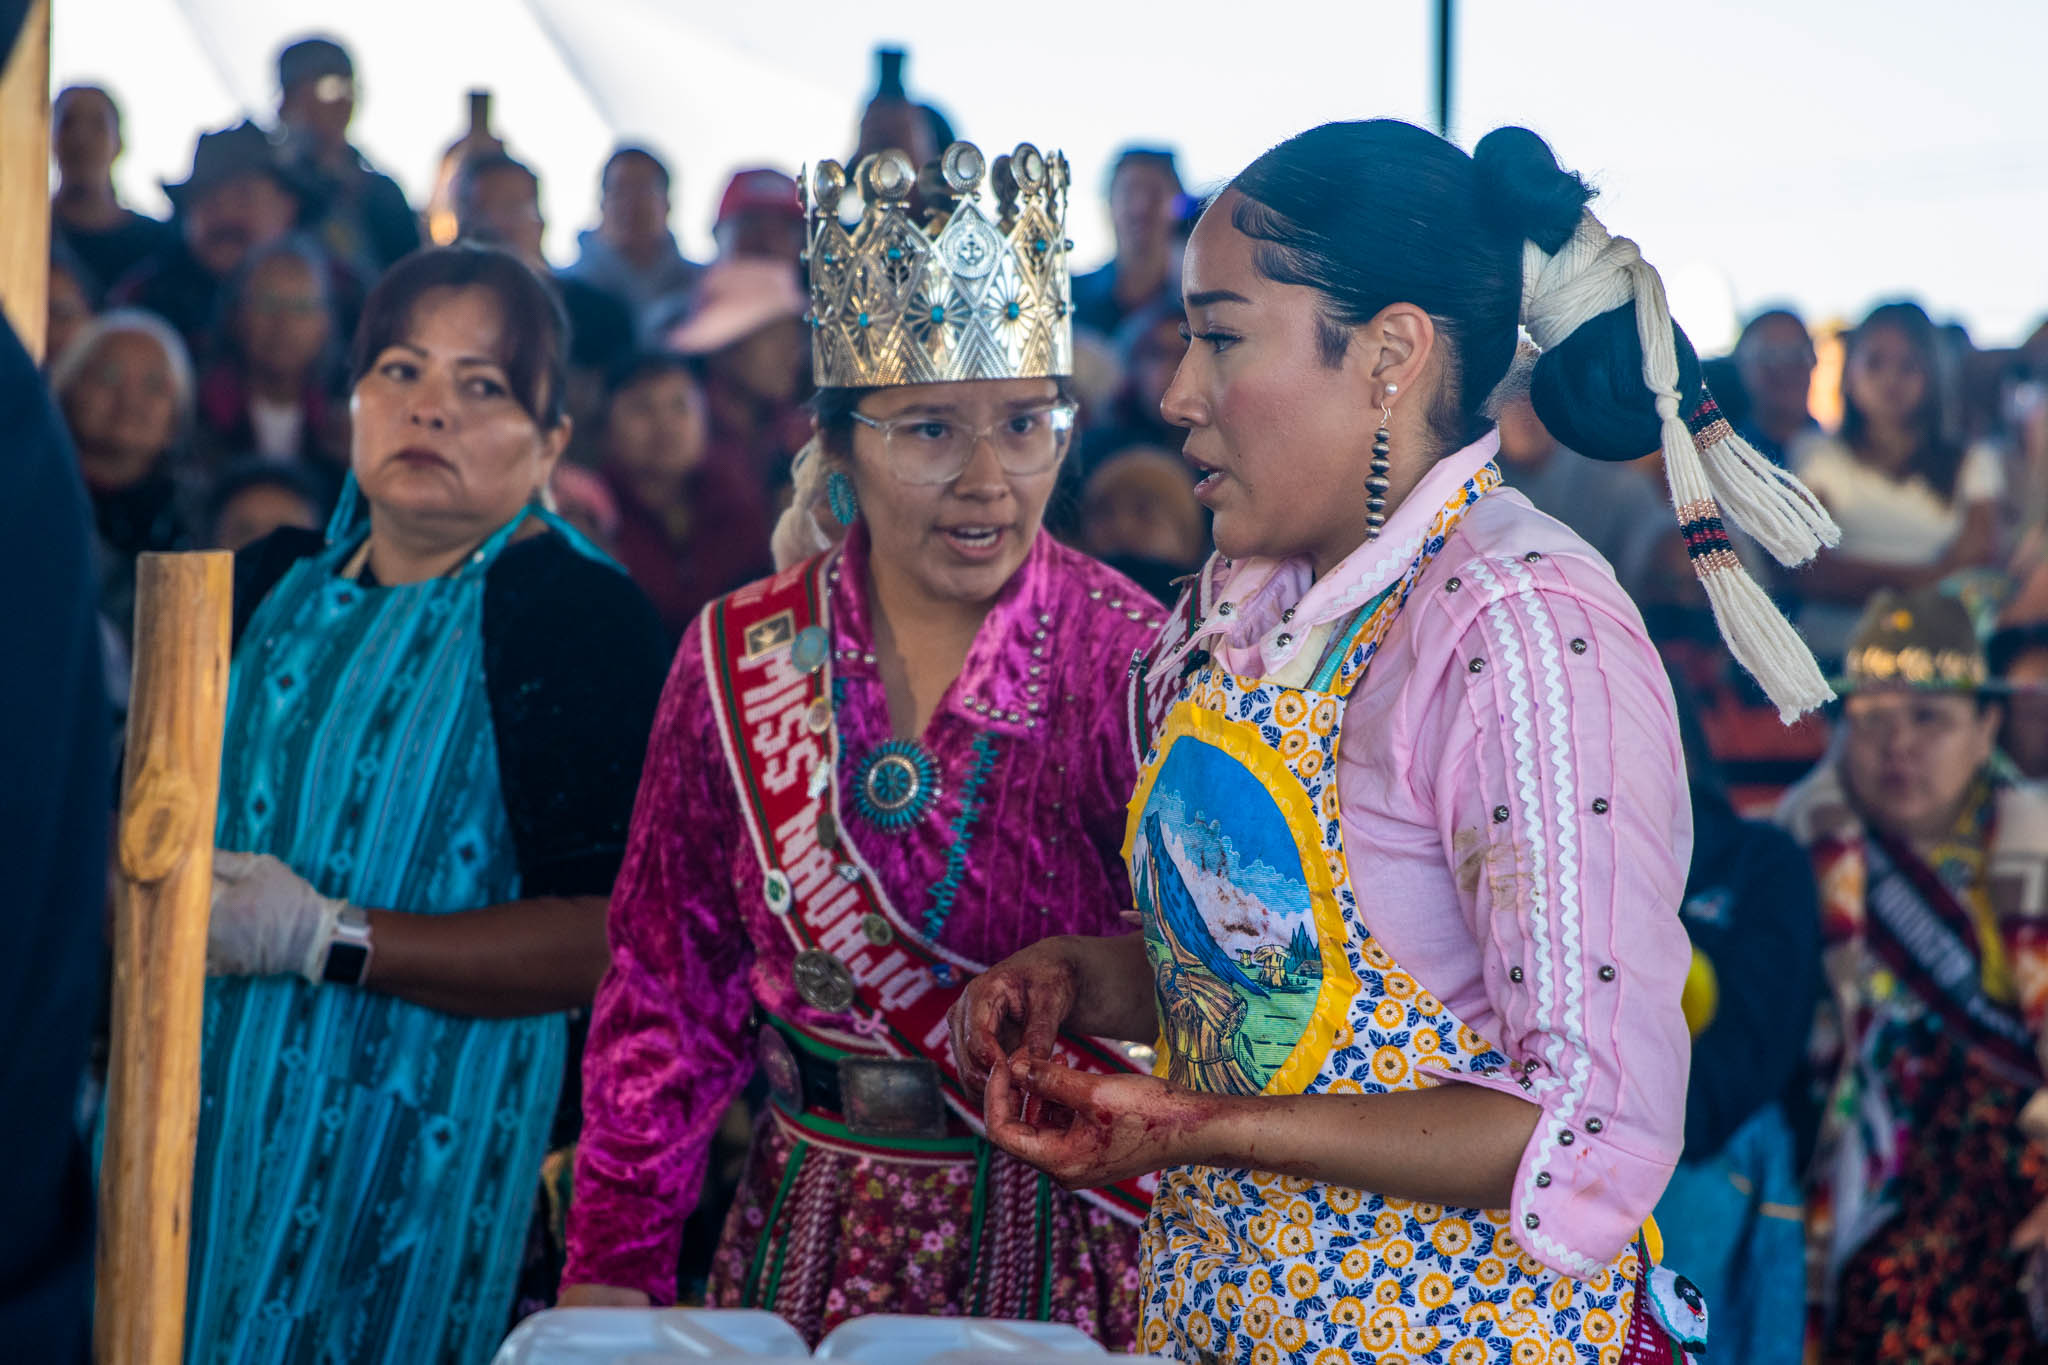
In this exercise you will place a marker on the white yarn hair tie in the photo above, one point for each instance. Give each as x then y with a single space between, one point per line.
1707 466
797 534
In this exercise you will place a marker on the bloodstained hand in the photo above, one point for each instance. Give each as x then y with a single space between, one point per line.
1015 1007
1096 1129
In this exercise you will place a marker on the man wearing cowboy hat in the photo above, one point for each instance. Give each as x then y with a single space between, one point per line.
1933 870
239 197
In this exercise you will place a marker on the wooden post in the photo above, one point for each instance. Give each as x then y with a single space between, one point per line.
25 180
170 791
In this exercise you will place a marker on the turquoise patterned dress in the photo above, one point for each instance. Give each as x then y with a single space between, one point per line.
366 1165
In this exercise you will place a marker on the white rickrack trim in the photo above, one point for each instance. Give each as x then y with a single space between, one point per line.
1570 913
1531 826
1510 662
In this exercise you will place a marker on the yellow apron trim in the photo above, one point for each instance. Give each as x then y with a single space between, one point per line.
1242 741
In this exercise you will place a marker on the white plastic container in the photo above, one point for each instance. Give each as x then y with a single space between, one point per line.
651 1336
887 1339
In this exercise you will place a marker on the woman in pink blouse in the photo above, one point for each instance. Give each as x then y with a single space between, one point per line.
1412 832
897 761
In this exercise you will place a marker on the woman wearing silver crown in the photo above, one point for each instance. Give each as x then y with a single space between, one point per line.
899 760
1411 835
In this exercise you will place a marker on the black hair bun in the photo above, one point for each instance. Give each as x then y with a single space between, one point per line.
1522 190
1589 392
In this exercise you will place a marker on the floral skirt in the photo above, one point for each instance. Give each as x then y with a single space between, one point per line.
1936 1284
820 1234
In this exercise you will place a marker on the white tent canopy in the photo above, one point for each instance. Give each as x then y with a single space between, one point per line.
569 81
1828 153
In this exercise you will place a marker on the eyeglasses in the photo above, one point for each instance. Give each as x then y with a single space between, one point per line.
1918 720
929 450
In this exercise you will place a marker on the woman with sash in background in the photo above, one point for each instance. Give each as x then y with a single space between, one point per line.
1933 867
897 761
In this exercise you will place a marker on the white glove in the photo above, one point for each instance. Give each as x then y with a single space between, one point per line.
267 920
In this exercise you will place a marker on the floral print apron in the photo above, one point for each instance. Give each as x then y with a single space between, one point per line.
1269 982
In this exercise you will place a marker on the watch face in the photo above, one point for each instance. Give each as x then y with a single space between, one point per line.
346 963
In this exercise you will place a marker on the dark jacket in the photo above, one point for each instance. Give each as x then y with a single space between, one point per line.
1753 912
55 755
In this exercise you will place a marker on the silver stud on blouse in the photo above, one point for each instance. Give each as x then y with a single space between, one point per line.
1287 615
1599 805
1454 585
1500 815
1567 1138
1532 1222
1578 646
1531 557
1477 666
1594 1125
1514 973
1607 973
1543 1180
1283 639
1094 594
1224 609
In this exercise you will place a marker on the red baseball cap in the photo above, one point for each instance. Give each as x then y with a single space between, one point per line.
761 190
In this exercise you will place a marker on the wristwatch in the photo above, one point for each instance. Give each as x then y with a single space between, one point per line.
348 952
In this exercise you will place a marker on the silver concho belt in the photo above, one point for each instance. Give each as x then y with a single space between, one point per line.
876 1097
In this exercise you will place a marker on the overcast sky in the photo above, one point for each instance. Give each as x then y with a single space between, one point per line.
1825 152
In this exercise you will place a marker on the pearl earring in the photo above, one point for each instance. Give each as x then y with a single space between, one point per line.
1376 483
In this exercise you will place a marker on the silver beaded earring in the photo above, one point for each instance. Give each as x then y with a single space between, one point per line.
1376 483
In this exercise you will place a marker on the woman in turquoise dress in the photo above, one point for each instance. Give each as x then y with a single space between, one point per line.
436 717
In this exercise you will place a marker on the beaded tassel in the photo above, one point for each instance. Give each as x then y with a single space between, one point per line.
1376 483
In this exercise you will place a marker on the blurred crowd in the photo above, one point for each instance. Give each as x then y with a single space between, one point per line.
200 365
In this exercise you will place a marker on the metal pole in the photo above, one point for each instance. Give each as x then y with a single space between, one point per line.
1446 23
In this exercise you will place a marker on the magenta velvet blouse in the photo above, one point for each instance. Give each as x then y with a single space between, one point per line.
694 946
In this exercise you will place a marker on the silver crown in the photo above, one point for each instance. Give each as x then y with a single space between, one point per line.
927 287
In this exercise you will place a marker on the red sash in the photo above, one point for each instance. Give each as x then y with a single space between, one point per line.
782 767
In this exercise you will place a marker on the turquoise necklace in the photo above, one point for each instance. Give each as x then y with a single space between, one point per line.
896 786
